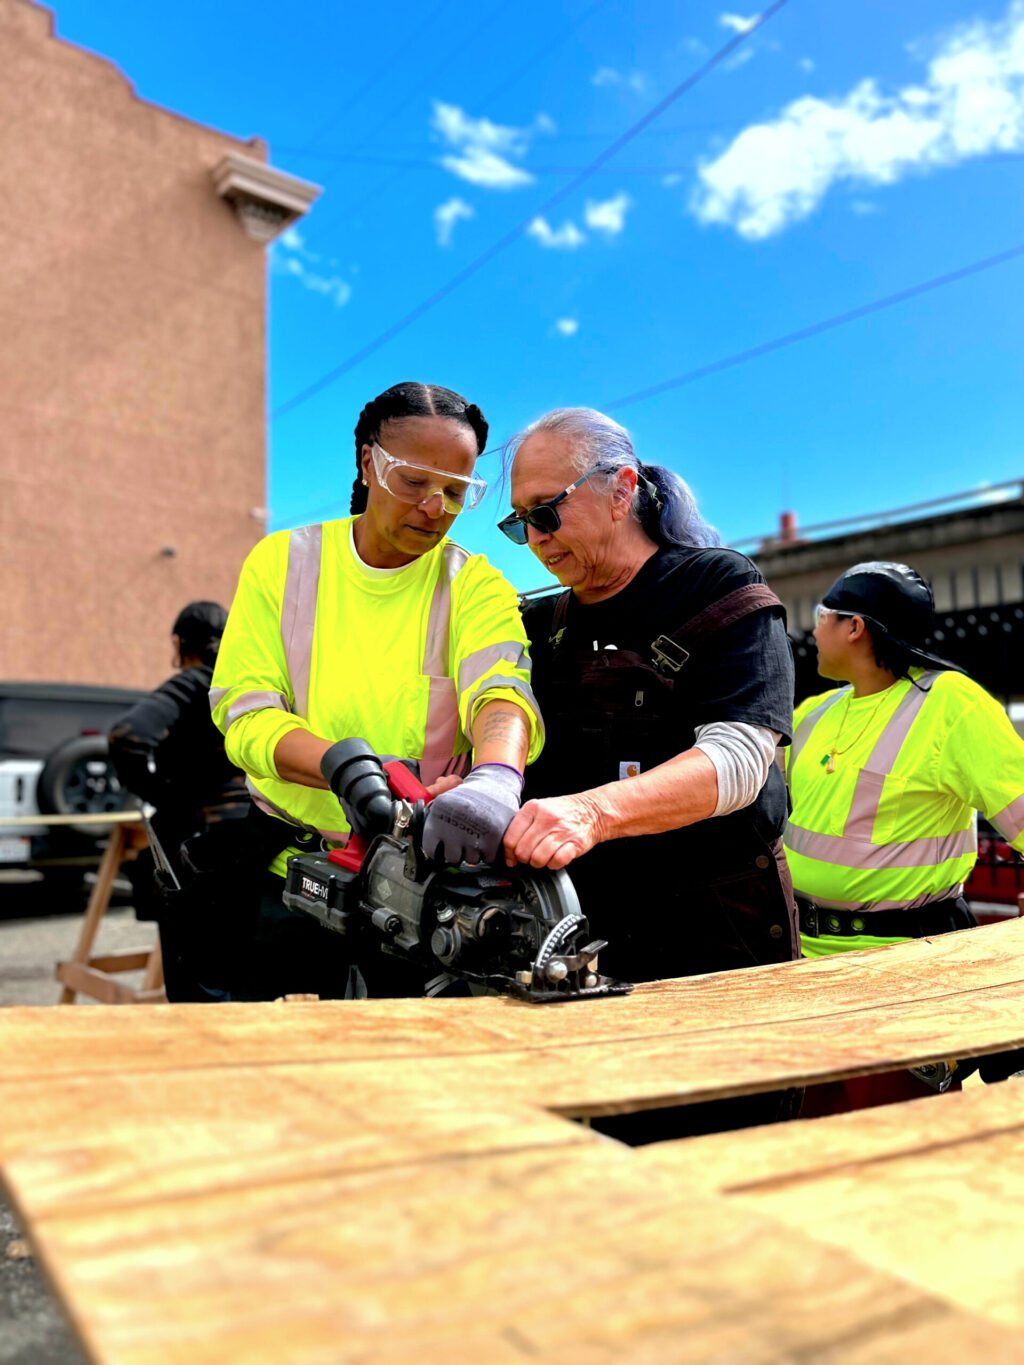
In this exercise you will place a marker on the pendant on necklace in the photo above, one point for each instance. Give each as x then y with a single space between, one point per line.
830 766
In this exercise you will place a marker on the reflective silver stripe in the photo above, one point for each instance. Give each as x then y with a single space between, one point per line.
433 768
435 654
475 665
842 851
1010 820
441 731
442 727
253 701
867 793
890 741
802 732
517 685
333 836
298 609
217 695
918 903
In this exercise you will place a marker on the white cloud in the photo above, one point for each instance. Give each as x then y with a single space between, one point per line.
673 178
738 58
608 215
290 257
864 207
484 152
567 327
971 103
566 238
487 170
608 75
737 22
805 64
446 215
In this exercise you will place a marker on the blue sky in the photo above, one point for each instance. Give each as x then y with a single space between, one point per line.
843 153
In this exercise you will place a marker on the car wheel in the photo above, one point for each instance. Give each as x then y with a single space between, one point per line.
78 778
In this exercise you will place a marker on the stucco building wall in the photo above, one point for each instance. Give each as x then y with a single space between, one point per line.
132 345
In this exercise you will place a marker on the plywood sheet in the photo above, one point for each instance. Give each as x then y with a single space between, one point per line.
545 1254
674 1042
931 1190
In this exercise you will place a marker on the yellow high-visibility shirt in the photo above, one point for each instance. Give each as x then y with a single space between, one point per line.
403 659
893 826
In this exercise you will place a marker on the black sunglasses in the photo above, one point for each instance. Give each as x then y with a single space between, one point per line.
543 517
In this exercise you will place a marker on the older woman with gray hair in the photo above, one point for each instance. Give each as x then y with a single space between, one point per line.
665 678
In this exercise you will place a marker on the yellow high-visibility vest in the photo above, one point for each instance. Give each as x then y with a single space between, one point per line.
403 659
893 826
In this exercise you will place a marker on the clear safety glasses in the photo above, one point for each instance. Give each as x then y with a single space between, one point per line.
821 610
543 517
417 484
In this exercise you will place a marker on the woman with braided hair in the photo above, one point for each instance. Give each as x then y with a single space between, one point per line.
379 627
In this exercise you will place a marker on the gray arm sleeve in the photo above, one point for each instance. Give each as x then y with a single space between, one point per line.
742 756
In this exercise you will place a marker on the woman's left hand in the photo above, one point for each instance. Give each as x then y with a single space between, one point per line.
552 832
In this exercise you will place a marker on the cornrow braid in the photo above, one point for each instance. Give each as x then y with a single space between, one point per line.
411 399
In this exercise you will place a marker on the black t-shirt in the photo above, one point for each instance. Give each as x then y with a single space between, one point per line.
625 720
168 751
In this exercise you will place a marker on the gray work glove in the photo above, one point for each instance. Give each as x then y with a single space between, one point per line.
469 823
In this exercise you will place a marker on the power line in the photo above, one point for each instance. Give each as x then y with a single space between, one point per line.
791 338
816 328
415 91
390 155
432 163
373 81
634 131
385 183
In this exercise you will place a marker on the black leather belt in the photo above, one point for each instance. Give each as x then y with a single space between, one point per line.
942 917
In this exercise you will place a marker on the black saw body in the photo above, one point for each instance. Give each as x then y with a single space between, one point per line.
518 931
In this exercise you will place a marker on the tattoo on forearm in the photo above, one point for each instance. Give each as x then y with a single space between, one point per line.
502 727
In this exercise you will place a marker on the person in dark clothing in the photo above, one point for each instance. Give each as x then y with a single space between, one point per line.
665 678
167 751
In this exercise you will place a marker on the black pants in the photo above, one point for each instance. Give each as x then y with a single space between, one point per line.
743 917
286 952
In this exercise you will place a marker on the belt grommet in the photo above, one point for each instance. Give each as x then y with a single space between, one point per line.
857 925
833 923
762 860
776 931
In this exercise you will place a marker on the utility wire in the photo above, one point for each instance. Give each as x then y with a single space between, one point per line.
816 328
383 185
634 131
790 339
415 91
368 86
549 138
431 164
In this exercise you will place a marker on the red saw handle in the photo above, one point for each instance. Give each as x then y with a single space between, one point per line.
407 787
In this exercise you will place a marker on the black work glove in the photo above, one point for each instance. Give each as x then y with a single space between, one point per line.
469 823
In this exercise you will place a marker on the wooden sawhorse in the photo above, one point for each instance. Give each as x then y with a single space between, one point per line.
95 976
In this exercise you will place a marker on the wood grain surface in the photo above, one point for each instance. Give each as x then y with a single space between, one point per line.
930 1191
385 1181
672 1042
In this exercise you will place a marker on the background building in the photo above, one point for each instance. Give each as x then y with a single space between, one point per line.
973 556
132 358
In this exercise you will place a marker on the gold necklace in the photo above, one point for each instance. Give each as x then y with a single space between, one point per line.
830 757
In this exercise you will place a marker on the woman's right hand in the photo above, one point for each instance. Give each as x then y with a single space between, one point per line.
444 784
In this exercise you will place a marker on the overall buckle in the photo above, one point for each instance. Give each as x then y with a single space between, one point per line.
667 654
